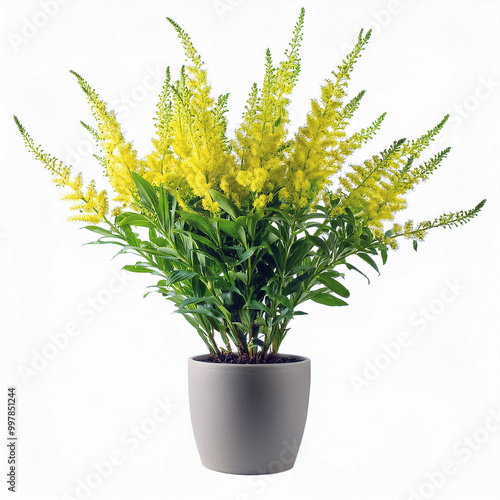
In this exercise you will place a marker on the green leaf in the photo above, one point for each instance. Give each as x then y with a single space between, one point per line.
246 255
196 300
173 209
318 225
369 261
139 250
163 210
294 285
239 276
415 245
100 230
132 219
285 301
277 253
320 243
383 253
253 304
101 241
281 317
179 275
298 252
197 237
138 269
332 273
223 285
334 286
225 203
131 237
198 221
168 251
146 191
199 311
271 291
354 268
158 241
253 221
327 299
233 229
207 254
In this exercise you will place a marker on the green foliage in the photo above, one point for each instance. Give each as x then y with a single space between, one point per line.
240 278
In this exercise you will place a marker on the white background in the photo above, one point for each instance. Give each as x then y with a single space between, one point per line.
422 410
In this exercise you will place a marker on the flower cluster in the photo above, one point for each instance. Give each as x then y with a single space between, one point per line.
91 205
193 156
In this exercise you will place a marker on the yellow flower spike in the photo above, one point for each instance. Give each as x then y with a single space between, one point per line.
102 204
408 226
116 211
262 201
120 157
192 154
61 175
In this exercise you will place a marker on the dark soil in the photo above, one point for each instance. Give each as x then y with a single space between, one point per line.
244 359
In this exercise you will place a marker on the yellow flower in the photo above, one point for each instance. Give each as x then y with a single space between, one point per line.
191 153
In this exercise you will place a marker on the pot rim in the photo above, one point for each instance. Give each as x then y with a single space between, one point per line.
197 361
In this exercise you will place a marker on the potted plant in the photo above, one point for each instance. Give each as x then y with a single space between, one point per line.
240 232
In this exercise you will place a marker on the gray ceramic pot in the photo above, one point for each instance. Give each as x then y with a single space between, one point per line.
248 419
